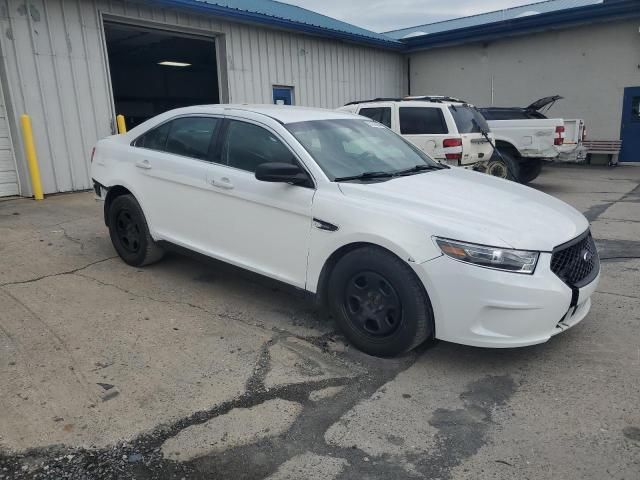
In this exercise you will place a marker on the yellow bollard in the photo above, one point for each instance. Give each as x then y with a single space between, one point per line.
122 125
32 157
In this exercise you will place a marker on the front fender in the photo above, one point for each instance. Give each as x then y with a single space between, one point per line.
405 237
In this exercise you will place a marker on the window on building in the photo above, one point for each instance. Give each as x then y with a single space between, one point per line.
422 120
246 146
379 114
635 109
283 95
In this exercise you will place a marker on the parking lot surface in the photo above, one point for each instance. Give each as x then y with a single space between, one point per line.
194 369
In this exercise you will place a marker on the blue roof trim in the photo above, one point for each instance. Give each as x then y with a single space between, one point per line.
609 10
290 17
489 17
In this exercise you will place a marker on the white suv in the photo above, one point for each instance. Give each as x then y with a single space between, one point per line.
447 129
398 246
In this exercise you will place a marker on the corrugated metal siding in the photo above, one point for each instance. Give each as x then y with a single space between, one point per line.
54 66
61 81
8 174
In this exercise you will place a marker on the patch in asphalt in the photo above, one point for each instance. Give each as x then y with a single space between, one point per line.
142 458
461 432
618 250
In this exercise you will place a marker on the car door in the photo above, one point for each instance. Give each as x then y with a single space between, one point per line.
261 226
425 127
171 179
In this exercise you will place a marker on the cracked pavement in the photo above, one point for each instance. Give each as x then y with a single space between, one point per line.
191 368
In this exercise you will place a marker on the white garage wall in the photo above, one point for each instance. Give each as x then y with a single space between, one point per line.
589 66
54 60
8 174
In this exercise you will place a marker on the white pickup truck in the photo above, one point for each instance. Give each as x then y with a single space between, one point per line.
526 138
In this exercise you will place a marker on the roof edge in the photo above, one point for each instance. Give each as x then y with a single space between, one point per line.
520 26
244 16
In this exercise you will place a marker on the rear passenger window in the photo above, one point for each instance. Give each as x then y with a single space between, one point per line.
191 136
155 139
422 120
379 114
187 136
246 146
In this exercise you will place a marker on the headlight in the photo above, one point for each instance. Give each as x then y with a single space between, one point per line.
518 261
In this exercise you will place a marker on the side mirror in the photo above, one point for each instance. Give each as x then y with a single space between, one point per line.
282 173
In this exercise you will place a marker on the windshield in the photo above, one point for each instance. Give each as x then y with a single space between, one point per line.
468 119
346 147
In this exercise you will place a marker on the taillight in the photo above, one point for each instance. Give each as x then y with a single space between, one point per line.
452 143
584 133
559 140
93 152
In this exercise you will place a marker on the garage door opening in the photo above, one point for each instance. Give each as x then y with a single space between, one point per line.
153 71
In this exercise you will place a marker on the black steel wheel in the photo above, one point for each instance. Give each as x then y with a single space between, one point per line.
379 302
372 304
130 234
128 231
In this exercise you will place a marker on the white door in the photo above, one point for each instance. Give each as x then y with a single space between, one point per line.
262 226
8 175
171 168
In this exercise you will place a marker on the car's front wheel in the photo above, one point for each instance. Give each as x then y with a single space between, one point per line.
379 303
130 234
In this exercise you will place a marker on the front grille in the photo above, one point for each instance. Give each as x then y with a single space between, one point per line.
576 262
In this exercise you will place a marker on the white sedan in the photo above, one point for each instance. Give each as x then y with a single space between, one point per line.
398 246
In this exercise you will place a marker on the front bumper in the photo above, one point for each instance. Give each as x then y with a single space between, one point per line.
490 308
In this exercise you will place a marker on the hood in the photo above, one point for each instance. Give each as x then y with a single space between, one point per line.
543 102
475 207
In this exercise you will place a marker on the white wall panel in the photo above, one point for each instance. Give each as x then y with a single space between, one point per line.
8 174
55 68
588 65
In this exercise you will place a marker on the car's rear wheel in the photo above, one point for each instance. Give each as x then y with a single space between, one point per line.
530 170
379 303
507 166
130 234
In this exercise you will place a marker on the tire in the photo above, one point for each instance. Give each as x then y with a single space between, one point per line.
507 167
379 303
530 170
130 234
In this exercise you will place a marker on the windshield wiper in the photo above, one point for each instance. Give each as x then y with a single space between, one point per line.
418 169
365 176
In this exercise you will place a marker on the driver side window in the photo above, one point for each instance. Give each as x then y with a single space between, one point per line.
247 145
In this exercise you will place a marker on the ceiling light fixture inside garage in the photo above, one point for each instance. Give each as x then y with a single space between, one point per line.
174 64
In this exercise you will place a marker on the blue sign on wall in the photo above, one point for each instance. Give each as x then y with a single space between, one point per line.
283 95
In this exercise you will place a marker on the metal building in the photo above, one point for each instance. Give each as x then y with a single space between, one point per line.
58 68
587 51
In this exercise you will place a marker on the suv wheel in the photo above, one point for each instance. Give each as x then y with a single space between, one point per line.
379 303
130 234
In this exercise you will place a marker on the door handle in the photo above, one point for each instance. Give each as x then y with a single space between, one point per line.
144 164
224 182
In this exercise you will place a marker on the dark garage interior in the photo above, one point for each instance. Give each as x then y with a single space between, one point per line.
153 71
